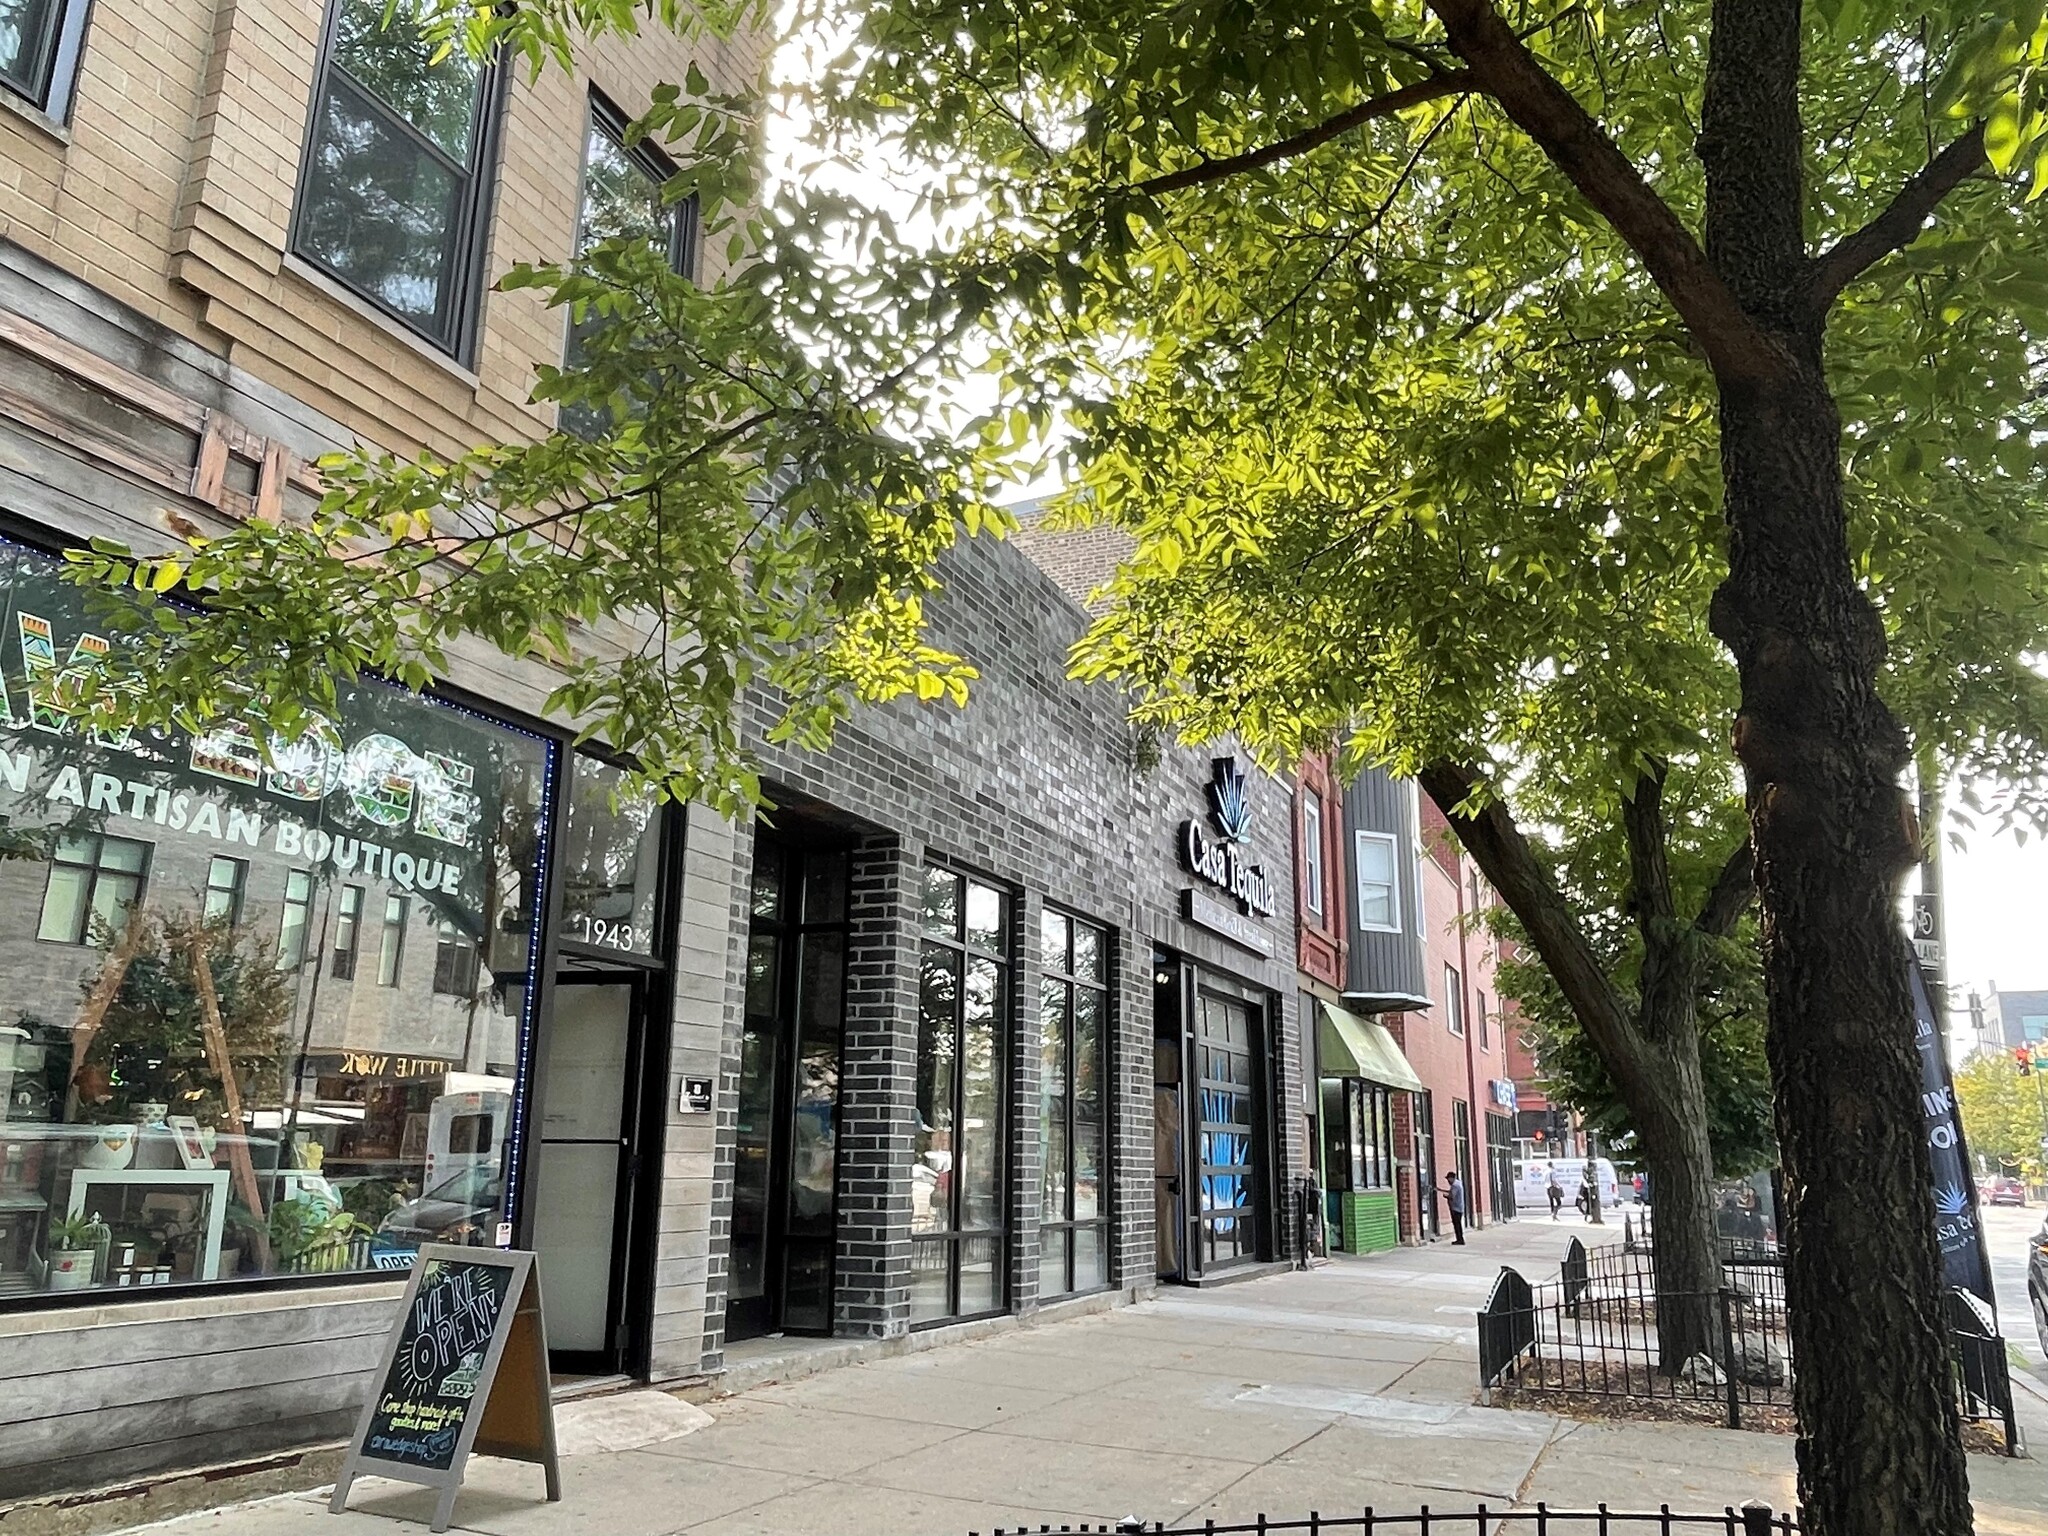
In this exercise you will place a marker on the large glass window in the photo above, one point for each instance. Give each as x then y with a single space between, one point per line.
1358 1134
1073 1242
179 1100
957 1208
1379 889
39 43
393 196
610 858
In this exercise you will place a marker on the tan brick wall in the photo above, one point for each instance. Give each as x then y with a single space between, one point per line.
171 191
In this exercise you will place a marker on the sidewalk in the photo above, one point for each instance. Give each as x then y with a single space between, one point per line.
1346 1386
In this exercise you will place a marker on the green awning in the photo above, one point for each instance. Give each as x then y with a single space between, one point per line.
1355 1047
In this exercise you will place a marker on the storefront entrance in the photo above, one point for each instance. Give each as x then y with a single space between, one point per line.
589 1160
785 1165
1227 1066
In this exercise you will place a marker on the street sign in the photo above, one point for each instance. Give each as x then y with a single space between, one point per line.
1927 931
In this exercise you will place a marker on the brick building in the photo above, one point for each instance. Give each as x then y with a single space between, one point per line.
996 1010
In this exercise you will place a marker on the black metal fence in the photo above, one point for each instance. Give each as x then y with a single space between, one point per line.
1594 1333
1534 1520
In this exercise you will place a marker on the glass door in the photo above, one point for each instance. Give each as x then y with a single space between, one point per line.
1226 1057
784 1209
583 1197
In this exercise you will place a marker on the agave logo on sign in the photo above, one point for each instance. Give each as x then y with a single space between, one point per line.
1220 858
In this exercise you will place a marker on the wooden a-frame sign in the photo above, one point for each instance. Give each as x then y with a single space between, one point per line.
464 1370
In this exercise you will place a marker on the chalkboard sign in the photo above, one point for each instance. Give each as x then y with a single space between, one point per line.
464 1369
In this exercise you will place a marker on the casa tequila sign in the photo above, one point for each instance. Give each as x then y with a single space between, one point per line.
1220 856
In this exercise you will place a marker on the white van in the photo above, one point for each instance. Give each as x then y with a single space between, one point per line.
1532 1182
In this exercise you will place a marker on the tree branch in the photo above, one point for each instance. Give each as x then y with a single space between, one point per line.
1734 889
1456 83
1488 832
1899 225
1649 867
1505 70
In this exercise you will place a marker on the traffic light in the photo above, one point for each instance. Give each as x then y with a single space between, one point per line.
2023 1058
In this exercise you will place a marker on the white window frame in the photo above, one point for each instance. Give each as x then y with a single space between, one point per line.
1454 1001
1312 850
1392 843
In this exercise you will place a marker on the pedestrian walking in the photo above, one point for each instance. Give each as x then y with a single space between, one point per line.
1556 1192
1454 1196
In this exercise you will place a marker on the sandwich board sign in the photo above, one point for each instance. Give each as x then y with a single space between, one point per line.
464 1370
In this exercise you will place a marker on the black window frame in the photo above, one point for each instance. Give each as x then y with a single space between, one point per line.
953 1238
51 84
605 116
236 890
299 886
97 869
457 961
1454 1001
387 944
348 920
478 205
1066 976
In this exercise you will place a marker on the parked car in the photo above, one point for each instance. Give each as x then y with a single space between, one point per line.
2004 1191
2037 1283
460 1209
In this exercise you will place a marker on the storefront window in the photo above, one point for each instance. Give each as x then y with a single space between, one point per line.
1073 1241
182 1097
610 860
957 1224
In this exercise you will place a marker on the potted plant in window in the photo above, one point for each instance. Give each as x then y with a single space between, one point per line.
307 1237
74 1251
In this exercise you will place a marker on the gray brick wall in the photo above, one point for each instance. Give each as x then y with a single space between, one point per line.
1036 784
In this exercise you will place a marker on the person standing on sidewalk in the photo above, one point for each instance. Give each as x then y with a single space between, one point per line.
1556 1192
1454 1196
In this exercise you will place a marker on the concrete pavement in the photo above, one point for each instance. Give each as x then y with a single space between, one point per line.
1347 1386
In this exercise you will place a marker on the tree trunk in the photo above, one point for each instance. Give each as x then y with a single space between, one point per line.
1880 1450
1685 1252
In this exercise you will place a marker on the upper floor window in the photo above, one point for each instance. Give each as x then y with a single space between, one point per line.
622 200
226 880
1312 851
39 43
394 194
1379 883
1479 1011
94 882
1454 1000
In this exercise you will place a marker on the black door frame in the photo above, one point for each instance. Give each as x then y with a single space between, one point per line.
632 1234
761 1316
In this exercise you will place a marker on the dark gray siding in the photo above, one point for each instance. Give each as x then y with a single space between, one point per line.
1384 967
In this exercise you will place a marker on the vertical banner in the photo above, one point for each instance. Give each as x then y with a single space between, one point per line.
1954 1189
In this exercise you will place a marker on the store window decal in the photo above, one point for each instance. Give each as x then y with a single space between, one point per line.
198 1081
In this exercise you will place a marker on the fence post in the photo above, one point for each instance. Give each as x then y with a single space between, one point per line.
1756 1519
1728 1366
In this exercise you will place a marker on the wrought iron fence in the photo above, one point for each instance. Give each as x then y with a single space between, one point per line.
1594 1333
1754 1519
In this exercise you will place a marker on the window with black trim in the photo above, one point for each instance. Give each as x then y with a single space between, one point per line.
94 882
39 46
957 1210
395 191
455 961
226 879
296 919
391 951
1454 1000
623 200
1073 1003
348 928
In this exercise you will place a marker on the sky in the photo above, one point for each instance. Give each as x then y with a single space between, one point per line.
1995 895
